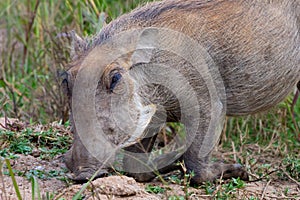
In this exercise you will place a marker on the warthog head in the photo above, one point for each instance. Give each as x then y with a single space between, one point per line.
109 110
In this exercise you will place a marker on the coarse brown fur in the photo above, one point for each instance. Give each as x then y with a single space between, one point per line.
255 45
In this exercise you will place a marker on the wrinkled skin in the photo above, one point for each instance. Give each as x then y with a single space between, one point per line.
255 45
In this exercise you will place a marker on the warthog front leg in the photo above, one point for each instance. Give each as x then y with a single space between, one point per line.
133 161
203 170
197 159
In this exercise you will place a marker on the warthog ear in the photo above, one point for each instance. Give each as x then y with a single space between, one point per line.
146 115
147 42
78 44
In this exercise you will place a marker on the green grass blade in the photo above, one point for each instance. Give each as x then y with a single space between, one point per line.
11 173
35 188
32 188
78 194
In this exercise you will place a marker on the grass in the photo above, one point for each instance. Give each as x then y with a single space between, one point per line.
154 189
32 57
226 190
45 141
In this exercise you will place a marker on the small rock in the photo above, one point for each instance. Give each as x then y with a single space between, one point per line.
117 185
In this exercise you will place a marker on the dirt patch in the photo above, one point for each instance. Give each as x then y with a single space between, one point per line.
113 187
122 187
26 166
265 166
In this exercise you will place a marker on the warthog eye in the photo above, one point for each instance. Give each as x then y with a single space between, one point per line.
115 79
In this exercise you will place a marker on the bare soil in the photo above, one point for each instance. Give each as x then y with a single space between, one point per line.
122 187
269 185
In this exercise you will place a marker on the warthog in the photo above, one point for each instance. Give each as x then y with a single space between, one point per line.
254 46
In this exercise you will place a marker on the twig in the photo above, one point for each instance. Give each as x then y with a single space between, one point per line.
3 126
234 151
260 179
28 31
265 189
292 179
